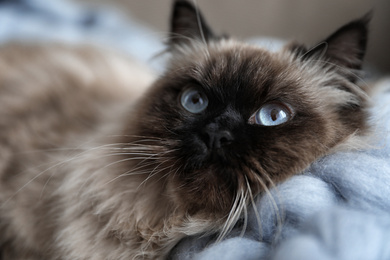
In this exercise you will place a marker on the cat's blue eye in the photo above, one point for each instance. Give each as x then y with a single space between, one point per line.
193 100
272 114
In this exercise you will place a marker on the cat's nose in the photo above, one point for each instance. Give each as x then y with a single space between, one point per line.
218 138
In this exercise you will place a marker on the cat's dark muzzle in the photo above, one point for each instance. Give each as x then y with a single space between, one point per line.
217 139
220 146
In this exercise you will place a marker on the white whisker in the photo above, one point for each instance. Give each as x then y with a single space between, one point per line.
271 198
234 214
255 211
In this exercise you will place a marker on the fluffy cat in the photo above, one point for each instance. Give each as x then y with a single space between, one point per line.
94 164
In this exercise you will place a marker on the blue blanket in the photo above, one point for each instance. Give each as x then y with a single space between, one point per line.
337 209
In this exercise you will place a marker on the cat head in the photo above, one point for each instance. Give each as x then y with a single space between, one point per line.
229 119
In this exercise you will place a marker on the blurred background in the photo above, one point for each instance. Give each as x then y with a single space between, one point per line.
305 20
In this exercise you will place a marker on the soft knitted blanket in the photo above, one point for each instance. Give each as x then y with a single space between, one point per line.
337 209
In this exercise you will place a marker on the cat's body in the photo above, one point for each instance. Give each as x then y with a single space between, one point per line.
88 170
56 103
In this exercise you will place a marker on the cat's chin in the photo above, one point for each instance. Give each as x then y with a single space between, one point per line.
203 193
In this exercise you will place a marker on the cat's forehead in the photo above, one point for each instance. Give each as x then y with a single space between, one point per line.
233 64
227 57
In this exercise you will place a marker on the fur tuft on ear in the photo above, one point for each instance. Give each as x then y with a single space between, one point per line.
187 24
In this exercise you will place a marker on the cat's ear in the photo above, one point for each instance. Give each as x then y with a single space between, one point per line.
188 24
346 47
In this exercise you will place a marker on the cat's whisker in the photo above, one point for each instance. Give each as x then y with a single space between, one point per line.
134 171
159 155
46 170
257 171
128 173
238 206
140 165
140 138
254 208
138 147
169 172
154 172
107 155
49 150
107 146
245 209
272 201
170 131
57 164
178 168
61 149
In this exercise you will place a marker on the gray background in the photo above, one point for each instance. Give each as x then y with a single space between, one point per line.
305 20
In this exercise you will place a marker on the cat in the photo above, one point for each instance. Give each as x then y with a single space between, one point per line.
98 162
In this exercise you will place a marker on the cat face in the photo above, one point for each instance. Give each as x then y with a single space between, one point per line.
234 119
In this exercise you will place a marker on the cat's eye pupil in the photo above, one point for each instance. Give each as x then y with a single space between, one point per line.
193 100
274 114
